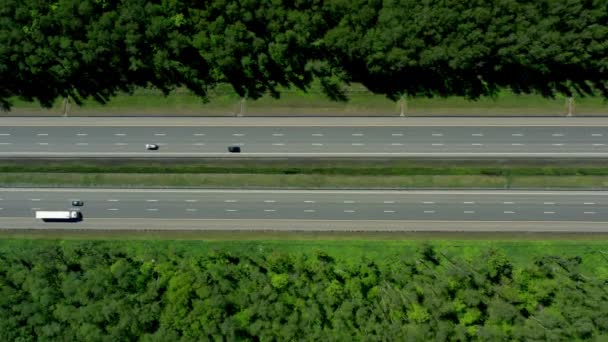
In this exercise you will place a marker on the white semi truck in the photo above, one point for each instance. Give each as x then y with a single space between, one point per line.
59 215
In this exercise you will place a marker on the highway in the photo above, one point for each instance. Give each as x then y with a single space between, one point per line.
169 208
314 137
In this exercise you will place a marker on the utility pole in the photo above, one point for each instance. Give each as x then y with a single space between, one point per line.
67 105
570 104
403 105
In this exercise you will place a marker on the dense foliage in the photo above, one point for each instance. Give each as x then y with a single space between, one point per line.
104 292
94 48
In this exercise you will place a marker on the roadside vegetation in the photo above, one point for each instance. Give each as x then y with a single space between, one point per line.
265 290
400 50
331 174
224 101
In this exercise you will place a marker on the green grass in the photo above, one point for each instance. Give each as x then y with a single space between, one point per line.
223 101
593 249
353 167
301 181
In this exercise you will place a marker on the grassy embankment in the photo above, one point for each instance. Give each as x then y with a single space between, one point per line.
223 101
306 174
351 246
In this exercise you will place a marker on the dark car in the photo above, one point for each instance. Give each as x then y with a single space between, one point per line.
77 203
234 149
152 147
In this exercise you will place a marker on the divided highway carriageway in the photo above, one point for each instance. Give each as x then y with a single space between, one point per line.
168 208
305 137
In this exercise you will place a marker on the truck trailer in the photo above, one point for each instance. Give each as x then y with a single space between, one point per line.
59 215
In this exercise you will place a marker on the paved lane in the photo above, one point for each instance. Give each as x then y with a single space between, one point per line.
305 141
513 206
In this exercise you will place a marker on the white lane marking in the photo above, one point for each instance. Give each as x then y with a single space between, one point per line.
389 202
152 209
598 144
113 209
81 134
231 210
428 202
477 134
357 144
477 144
317 144
160 134
557 144
508 202
35 208
269 201
198 134
151 200
6 143
35 199
191 200
277 134
113 200
82 144
317 134
437 144
122 144
4 134
397 144
309 210
269 210
230 201
517 135
517 144
309 201
548 212
349 202
468 202
191 209
119 134
589 203
557 134
548 203
238 134
278 144
397 134
429 211
509 212
469 212
357 134
349 211
389 211
42 134
45 144
437 134
199 144
589 212
1 208
597 135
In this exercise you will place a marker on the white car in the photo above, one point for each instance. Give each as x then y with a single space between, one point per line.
151 147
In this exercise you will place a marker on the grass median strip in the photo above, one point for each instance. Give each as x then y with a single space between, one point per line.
304 181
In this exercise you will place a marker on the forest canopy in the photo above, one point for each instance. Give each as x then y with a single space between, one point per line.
97 48
108 291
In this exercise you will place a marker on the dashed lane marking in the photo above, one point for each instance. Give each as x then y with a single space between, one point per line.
231 210
389 211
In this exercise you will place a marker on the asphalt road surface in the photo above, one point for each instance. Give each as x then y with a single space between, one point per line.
93 137
172 206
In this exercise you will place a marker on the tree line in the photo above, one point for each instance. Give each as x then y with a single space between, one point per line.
96 48
104 291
